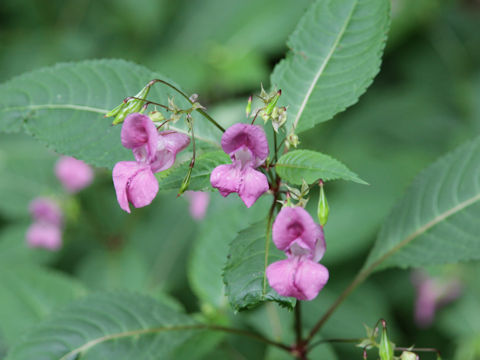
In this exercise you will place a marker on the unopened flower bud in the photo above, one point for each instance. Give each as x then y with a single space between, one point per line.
156 116
271 105
407 355
322 210
129 106
248 109
292 140
185 182
279 117
193 98
385 349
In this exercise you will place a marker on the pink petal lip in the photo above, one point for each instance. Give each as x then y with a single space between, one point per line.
296 277
44 235
46 210
134 182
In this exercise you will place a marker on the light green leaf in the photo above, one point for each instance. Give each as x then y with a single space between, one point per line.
244 274
107 326
297 165
436 222
200 178
29 294
335 53
27 171
226 217
63 106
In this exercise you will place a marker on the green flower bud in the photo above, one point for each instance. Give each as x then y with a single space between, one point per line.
292 140
271 105
185 182
322 210
156 116
385 349
248 109
131 105
407 355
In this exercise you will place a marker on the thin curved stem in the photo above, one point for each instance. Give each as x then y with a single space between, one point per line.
201 111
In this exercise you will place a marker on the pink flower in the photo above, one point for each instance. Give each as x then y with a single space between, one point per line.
46 230
135 181
295 233
302 240
44 235
45 210
248 148
73 174
198 203
432 293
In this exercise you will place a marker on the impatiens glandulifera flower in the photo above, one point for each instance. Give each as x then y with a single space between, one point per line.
302 240
247 146
198 203
432 293
73 174
135 181
46 230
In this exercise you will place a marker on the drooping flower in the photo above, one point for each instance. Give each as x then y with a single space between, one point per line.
73 174
432 293
302 240
46 210
198 203
46 230
135 181
247 146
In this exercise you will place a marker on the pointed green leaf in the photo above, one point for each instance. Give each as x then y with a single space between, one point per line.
244 274
335 54
29 294
106 326
64 105
436 222
297 165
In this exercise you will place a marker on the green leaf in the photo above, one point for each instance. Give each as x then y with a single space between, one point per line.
226 217
27 169
107 326
63 106
29 294
297 165
335 53
436 222
244 274
200 178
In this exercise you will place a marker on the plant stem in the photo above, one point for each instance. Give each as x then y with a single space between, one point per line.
203 112
298 323
275 146
325 341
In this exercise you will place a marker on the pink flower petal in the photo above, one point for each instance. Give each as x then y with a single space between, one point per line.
226 178
295 225
73 174
140 134
44 235
46 210
175 141
134 182
299 278
171 143
245 135
253 184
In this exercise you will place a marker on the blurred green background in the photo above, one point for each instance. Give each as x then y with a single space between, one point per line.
425 101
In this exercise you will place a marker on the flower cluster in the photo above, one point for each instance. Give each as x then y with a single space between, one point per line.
302 240
46 230
154 151
247 146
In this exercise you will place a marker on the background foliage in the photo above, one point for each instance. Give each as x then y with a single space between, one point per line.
424 102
